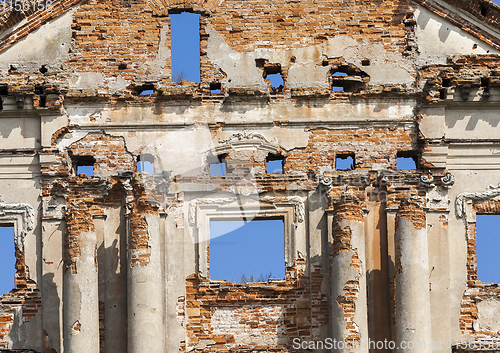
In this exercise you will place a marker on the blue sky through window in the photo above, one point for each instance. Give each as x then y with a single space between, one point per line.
344 163
7 259
88 170
405 163
240 249
185 42
487 245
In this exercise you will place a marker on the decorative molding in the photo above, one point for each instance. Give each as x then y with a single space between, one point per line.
448 180
27 214
192 214
245 135
427 180
299 207
326 181
475 196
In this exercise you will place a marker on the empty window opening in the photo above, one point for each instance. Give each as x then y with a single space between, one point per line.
484 9
243 252
347 78
185 44
406 160
7 259
485 84
146 163
365 62
272 72
43 69
274 164
487 245
344 161
122 66
43 101
4 90
145 90
260 62
217 165
445 82
215 88
84 165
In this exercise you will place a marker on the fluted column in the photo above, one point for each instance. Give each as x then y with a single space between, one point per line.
80 288
348 303
146 326
413 313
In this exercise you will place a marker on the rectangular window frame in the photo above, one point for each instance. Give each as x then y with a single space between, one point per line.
203 211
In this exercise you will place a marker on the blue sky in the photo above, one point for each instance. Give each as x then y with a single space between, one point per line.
236 250
7 259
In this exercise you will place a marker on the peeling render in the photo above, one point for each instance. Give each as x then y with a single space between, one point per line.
118 261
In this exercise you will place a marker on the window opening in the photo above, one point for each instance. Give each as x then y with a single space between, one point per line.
185 44
145 163
217 166
274 164
84 165
7 259
406 160
487 245
244 252
344 161
272 72
215 88
347 78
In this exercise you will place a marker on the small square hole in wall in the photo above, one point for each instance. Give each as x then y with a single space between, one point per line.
406 160
245 252
344 161
146 163
215 88
487 245
274 164
84 165
217 165
7 258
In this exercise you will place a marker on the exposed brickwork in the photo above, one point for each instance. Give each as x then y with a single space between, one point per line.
475 288
25 297
458 76
276 310
139 238
78 220
413 212
109 152
342 236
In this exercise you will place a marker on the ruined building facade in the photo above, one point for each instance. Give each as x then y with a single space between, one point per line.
119 261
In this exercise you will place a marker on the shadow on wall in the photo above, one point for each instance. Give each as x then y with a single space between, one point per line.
52 325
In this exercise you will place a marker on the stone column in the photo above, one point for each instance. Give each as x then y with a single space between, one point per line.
80 288
348 303
146 326
413 314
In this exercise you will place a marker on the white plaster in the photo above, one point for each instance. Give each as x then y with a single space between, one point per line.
438 38
48 44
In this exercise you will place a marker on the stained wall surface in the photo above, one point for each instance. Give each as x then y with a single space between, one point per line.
120 261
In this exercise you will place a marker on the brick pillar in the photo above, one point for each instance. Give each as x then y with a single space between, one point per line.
348 303
413 313
80 288
146 319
